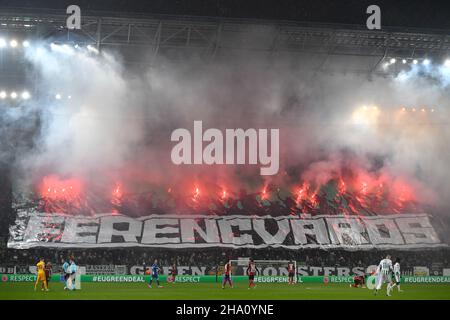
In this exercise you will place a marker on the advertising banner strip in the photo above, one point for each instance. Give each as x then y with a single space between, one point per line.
212 279
405 231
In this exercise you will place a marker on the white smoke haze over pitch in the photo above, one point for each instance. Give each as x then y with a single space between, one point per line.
118 123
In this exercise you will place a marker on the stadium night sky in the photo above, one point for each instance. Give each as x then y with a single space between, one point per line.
398 13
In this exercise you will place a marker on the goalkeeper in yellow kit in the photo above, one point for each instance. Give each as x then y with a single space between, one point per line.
40 267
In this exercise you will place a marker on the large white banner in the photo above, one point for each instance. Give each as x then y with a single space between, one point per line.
170 231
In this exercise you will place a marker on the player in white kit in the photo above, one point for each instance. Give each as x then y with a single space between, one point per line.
397 277
384 274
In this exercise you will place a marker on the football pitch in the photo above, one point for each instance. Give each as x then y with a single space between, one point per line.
213 291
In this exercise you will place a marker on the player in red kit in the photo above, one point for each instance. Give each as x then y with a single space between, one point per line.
174 272
358 282
251 270
48 272
227 275
291 272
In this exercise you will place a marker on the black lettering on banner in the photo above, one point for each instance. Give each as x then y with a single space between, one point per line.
404 231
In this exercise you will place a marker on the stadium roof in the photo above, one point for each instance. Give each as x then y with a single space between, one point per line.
209 34
219 32
400 13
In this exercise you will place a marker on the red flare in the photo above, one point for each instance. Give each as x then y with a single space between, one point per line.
264 194
299 195
117 191
196 193
55 188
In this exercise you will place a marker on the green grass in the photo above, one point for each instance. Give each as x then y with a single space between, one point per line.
212 291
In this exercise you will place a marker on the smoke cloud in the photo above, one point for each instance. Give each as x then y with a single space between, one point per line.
116 125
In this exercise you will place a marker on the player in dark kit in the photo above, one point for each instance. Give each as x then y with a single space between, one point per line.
48 271
173 272
144 268
155 274
251 270
358 282
291 272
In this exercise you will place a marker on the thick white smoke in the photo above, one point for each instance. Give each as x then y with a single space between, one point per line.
117 124
96 119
